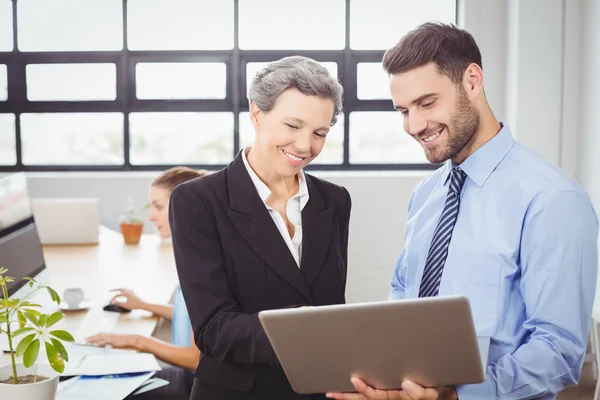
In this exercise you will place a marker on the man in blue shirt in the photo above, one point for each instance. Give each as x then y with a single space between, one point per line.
496 223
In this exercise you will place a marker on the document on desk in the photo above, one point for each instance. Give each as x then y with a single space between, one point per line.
111 387
110 363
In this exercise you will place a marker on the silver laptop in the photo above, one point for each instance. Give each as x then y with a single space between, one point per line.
67 220
430 341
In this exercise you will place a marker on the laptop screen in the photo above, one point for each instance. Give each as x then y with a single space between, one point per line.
20 246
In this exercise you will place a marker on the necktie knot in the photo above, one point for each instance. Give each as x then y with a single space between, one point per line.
457 179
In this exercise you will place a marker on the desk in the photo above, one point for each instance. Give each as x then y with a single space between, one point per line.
147 268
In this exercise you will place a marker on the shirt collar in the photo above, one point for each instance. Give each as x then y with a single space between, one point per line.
479 165
263 190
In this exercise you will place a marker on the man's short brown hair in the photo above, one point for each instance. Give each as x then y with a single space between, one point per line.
450 48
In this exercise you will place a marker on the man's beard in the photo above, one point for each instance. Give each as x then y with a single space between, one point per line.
463 127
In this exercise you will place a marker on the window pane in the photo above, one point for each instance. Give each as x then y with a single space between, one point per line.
372 82
70 25
181 138
181 80
333 151
287 25
71 82
252 69
379 138
3 83
180 24
8 147
379 24
6 26
72 138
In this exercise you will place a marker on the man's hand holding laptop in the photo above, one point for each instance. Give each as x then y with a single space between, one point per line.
410 391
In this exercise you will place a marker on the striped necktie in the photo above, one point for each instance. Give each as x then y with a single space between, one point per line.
438 251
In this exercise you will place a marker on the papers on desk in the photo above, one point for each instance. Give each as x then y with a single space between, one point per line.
111 362
107 374
113 387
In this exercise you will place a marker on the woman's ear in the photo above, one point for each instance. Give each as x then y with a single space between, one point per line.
255 115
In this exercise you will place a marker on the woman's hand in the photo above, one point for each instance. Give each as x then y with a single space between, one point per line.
115 340
133 301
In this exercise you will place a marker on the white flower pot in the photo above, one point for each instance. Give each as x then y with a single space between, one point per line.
44 390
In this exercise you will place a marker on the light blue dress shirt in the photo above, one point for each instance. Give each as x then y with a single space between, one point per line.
181 327
525 252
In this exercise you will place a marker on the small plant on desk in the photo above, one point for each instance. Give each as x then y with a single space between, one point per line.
131 226
20 318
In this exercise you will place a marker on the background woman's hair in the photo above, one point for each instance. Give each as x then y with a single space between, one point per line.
172 177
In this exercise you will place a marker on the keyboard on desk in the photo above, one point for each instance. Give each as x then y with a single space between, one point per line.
96 321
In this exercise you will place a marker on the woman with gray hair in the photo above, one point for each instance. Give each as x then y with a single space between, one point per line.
262 234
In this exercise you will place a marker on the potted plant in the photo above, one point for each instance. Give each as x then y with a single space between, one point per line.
19 317
131 225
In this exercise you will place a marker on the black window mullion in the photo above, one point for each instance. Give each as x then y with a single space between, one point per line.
125 90
349 91
16 86
235 78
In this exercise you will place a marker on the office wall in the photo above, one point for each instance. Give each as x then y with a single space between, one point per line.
589 150
530 55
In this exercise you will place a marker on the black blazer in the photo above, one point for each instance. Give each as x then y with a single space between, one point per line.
233 262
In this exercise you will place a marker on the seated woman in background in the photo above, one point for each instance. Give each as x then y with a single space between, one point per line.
183 353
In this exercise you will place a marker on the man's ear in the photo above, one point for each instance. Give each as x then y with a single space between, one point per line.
473 81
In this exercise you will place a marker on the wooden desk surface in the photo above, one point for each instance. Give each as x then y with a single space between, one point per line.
147 268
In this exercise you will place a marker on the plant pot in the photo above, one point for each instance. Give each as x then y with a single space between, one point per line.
132 232
41 390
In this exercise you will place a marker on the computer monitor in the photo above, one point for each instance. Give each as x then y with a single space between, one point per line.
20 245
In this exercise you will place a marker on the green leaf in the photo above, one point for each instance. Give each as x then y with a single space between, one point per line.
56 361
21 331
31 354
3 270
24 344
53 319
27 278
22 319
43 319
32 311
32 317
28 304
54 295
63 335
3 318
60 348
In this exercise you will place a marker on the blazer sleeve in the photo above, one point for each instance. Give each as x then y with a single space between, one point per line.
221 330
344 233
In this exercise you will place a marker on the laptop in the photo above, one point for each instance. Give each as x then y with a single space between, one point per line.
67 220
430 341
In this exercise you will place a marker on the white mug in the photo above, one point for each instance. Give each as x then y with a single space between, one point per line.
73 297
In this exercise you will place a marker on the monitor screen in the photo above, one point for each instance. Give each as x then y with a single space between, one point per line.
20 246
15 206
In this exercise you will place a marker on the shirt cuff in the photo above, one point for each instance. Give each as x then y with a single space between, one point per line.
481 391
395 294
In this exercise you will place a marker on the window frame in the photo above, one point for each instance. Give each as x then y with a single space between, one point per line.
235 100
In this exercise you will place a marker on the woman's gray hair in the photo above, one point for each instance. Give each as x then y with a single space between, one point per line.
295 72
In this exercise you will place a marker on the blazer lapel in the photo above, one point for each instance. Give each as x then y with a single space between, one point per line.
252 220
317 227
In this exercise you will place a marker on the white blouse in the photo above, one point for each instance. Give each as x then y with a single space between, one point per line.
294 207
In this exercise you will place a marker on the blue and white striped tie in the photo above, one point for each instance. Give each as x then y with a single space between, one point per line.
438 251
